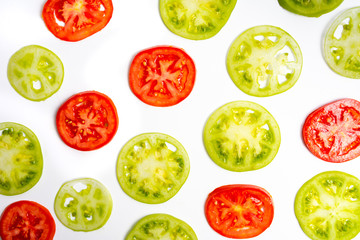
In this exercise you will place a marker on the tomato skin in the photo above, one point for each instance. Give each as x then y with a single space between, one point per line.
239 210
80 18
162 76
310 8
22 218
89 111
331 132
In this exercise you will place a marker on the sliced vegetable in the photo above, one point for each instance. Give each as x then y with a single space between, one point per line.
26 220
332 132
35 72
152 167
87 121
161 226
196 20
83 204
264 61
328 206
242 136
310 8
239 211
162 76
74 20
20 157
342 44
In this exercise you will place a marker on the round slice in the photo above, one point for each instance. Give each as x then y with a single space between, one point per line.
239 211
342 44
264 61
332 132
161 226
196 20
83 204
21 160
152 167
76 19
35 72
24 220
328 206
87 121
310 8
162 76
242 136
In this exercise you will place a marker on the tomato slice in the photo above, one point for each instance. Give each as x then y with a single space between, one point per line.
20 157
332 132
87 121
342 44
239 210
74 20
26 220
328 206
35 72
264 61
310 8
83 204
242 136
152 167
161 226
196 20
162 76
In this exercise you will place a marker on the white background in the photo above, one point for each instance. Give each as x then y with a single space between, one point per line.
101 63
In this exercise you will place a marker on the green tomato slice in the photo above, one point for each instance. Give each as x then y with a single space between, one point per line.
241 136
161 227
196 19
21 160
342 44
264 61
328 206
310 8
152 167
35 72
83 204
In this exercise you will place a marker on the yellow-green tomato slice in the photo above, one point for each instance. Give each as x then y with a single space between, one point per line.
152 167
161 227
242 136
196 19
35 72
310 8
21 160
342 44
83 204
264 61
328 206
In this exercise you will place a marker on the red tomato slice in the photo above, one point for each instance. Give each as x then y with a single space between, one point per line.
162 76
74 20
239 211
87 121
332 132
26 220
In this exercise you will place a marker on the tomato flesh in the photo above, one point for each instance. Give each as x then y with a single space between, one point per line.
239 211
264 61
152 167
332 132
161 226
74 20
83 204
310 8
242 136
26 220
162 76
342 44
87 121
327 206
